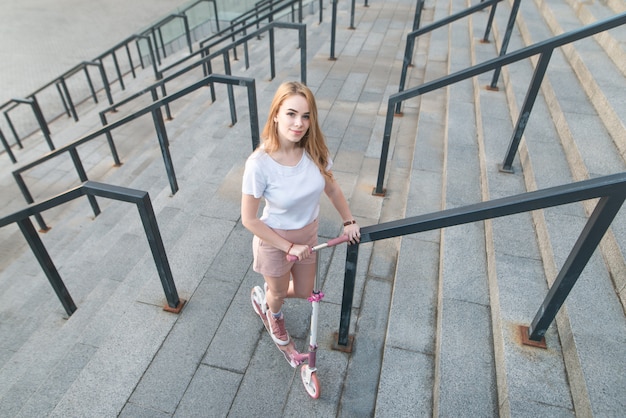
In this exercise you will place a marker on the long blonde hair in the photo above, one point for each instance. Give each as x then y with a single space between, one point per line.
313 140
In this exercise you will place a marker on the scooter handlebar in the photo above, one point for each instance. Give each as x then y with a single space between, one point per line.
331 243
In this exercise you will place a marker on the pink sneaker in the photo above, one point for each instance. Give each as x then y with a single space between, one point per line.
277 328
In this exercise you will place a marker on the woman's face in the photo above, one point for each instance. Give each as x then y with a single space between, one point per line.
292 119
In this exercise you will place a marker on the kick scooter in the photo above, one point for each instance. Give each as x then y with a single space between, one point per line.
308 372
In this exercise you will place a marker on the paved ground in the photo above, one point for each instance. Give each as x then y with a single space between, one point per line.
138 361
40 40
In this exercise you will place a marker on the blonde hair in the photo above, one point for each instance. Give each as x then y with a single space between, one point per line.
313 140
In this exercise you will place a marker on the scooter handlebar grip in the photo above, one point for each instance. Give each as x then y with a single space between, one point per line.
338 240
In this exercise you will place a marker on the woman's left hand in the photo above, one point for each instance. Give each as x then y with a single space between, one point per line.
353 232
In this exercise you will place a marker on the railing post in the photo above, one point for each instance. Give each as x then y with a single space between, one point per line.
109 136
29 199
302 42
522 120
116 64
40 252
343 337
333 30
492 14
505 42
148 219
70 103
131 64
217 21
272 54
419 6
12 128
254 115
352 6
406 61
82 175
229 90
382 167
7 147
321 7
589 239
105 81
187 32
157 117
65 106
41 120
94 96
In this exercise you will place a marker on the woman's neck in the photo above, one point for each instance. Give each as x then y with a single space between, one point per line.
288 154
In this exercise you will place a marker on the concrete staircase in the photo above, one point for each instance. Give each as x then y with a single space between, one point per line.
493 276
435 315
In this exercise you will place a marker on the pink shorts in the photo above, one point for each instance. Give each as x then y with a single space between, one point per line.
272 262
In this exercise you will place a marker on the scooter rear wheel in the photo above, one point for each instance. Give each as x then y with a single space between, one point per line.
311 384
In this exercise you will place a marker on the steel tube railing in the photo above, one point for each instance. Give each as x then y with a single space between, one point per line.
411 37
7 147
154 109
92 189
610 189
544 47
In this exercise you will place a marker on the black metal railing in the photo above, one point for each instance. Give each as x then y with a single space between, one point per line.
229 34
155 110
61 85
255 13
91 189
611 191
155 31
68 102
544 49
411 37
224 53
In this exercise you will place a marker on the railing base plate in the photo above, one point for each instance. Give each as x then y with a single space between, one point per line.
342 348
502 169
523 330
375 193
490 88
177 309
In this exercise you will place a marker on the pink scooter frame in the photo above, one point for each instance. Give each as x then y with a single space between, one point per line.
308 371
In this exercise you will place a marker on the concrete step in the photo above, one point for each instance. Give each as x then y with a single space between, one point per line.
557 114
511 250
87 339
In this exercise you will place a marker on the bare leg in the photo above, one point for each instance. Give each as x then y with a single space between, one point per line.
277 291
303 281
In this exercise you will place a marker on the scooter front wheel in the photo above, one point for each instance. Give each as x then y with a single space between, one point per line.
256 297
309 379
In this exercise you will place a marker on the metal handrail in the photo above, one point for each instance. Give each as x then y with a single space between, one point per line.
611 190
260 7
66 99
60 82
91 189
224 52
543 49
155 110
417 32
223 36
160 84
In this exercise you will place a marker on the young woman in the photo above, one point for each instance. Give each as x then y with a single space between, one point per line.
289 170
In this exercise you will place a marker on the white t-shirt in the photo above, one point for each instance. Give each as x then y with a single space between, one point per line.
292 194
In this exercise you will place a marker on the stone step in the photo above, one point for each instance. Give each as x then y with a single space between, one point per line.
147 170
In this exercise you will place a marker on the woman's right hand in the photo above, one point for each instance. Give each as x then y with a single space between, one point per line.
301 252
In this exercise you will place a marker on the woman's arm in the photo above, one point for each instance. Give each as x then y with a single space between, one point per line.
249 209
337 198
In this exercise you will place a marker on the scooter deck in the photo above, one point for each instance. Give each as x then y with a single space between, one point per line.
289 350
